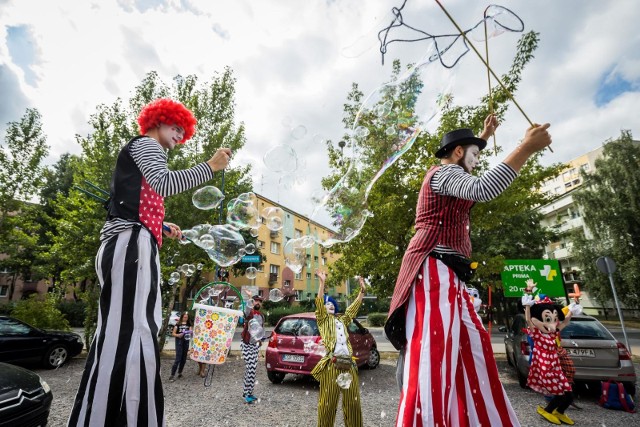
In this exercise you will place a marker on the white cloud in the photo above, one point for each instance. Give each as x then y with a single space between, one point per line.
289 61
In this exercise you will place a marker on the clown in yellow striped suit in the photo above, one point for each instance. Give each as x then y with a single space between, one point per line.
335 336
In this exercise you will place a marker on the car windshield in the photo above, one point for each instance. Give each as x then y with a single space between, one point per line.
585 329
298 327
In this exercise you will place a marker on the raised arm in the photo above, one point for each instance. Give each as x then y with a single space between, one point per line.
321 311
352 311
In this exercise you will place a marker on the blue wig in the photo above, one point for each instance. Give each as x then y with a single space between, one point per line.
327 299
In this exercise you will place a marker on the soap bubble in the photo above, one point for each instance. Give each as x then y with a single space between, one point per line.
368 158
253 232
298 132
344 380
305 330
251 272
255 329
206 241
295 254
208 197
242 212
250 248
273 216
281 158
227 242
174 277
275 295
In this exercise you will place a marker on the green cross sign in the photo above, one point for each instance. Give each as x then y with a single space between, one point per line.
544 272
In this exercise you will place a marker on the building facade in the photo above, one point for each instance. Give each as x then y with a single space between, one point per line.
273 273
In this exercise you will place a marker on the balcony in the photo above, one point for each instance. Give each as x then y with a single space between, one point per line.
273 278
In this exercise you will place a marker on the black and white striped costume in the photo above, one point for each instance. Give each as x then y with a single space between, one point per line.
250 347
121 383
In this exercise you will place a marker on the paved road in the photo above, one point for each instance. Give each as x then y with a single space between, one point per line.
294 402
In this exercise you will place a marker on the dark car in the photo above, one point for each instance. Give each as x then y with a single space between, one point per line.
597 355
295 346
20 342
25 399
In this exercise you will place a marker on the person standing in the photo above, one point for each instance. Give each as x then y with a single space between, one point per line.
252 335
338 359
121 381
446 365
182 333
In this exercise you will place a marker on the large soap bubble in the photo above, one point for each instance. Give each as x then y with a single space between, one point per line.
251 273
295 253
344 380
273 216
227 243
404 107
255 329
281 158
208 197
242 212
275 295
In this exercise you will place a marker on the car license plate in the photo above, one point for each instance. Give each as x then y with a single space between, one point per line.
292 358
581 352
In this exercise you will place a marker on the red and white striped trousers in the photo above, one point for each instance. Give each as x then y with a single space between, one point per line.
450 377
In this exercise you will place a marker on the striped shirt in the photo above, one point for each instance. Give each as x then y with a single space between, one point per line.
151 159
453 180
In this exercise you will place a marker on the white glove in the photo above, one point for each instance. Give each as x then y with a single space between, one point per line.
527 299
575 309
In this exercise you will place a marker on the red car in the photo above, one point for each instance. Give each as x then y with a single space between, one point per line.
295 346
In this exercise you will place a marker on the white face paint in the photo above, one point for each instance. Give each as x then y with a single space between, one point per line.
170 135
471 157
330 308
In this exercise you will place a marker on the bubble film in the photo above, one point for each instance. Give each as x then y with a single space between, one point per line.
227 243
275 295
208 197
242 212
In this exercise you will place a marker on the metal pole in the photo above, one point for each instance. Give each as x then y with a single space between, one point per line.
615 298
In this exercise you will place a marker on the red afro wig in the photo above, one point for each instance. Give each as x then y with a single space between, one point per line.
168 112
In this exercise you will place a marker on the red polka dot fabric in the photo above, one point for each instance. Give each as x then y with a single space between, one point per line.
151 210
545 372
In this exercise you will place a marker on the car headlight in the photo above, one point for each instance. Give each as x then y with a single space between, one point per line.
44 385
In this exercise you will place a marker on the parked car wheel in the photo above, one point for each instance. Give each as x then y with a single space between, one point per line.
56 356
275 377
522 379
374 359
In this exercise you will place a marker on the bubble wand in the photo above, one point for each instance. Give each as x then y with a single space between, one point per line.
466 39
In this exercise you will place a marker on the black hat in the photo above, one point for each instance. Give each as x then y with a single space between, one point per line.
257 298
452 139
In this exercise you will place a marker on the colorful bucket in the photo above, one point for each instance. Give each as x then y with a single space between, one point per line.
213 331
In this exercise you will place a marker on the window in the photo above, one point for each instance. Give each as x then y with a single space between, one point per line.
308 257
12 327
324 260
297 295
287 284
260 244
585 167
298 276
260 268
261 293
308 275
286 240
275 248
315 259
274 269
4 290
297 233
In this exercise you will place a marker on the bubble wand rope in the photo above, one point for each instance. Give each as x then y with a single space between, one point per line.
487 65
486 50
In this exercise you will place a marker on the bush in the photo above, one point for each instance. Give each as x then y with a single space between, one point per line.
273 316
376 319
41 312
74 312
6 309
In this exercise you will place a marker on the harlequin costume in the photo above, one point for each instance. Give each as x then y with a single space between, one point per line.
447 371
335 337
121 382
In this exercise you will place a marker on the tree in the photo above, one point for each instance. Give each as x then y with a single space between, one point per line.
610 202
377 251
80 218
20 178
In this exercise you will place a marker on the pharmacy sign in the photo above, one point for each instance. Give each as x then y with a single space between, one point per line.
544 272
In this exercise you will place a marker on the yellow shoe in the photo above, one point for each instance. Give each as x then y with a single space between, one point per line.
562 417
547 416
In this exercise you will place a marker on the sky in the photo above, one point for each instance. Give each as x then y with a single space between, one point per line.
295 62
